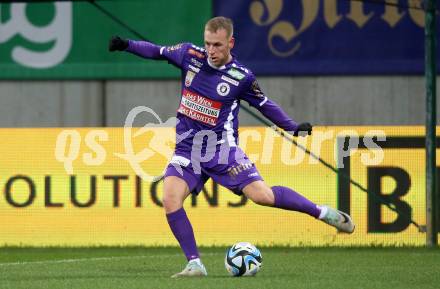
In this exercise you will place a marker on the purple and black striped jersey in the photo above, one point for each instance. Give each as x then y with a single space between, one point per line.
210 96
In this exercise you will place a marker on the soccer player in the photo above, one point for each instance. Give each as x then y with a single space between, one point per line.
213 84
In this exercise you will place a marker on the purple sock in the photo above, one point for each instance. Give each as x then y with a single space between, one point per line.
183 231
288 199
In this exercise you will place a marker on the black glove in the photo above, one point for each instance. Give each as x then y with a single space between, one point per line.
117 43
303 127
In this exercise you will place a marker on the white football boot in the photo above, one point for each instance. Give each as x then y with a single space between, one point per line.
193 269
337 219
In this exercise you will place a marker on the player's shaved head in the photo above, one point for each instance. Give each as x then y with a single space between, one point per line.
220 22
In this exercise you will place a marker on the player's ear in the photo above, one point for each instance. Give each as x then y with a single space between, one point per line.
231 42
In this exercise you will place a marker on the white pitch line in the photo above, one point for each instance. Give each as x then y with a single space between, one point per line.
92 259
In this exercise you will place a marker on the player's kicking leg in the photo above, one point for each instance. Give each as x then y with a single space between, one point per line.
285 198
337 219
175 192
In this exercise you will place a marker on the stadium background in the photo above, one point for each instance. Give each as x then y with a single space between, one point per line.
343 65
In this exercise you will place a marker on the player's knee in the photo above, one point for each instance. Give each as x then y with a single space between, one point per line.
262 199
175 191
260 194
171 202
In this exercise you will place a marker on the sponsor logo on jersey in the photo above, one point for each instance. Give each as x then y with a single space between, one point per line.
230 80
223 89
196 53
174 47
196 62
199 108
256 89
235 74
195 69
189 77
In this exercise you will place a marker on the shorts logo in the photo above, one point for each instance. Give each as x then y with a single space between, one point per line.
235 170
189 78
223 89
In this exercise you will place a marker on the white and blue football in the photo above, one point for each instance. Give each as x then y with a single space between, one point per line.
243 259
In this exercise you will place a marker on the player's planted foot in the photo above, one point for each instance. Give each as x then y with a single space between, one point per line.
194 268
337 219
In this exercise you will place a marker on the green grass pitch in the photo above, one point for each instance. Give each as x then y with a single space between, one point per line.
94 268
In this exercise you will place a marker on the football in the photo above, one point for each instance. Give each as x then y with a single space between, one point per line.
243 259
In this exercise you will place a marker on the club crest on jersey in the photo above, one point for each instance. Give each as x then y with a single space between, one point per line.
189 77
223 89
196 53
235 74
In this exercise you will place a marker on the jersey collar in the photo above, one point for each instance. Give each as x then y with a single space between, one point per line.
223 66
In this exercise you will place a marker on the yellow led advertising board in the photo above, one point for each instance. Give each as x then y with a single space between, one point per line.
96 186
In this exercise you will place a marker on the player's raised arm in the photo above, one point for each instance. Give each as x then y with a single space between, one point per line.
272 111
117 43
143 49
174 54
